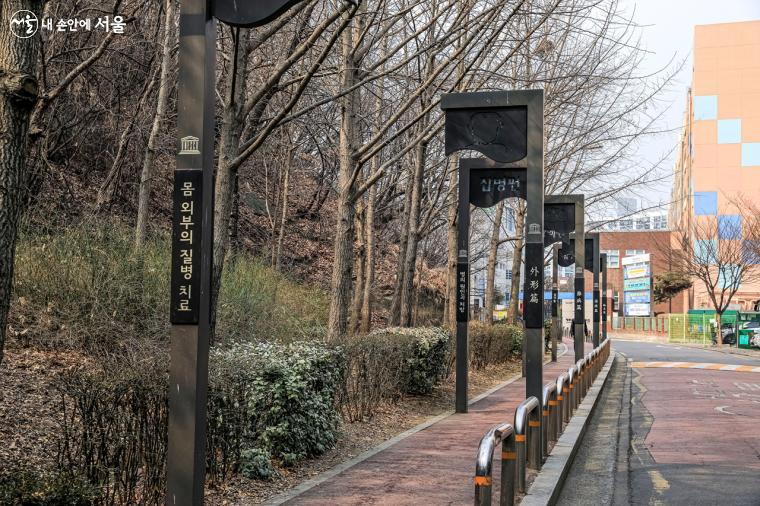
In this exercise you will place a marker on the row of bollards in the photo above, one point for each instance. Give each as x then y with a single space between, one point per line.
525 444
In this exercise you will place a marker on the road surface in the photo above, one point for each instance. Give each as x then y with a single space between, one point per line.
675 425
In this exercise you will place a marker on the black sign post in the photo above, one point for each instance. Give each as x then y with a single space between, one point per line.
603 266
192 236
556 324
564 217
507 127
482 183
593 238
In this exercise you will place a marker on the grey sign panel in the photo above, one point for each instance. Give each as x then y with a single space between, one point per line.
248 13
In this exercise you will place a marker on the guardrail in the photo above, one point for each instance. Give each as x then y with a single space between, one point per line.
526 443
504 434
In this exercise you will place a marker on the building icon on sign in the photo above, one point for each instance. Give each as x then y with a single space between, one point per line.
189 145
534 228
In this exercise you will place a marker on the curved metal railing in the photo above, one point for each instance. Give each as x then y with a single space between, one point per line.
548 417
504 434
525 444
528 438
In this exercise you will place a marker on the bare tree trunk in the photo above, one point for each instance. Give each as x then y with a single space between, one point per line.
450 311
410 259
369 270
395 312
340 293
514 292
493 251
229 143
359 265
283 213
146 176
18 95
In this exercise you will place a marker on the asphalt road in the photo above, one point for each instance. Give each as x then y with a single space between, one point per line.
679 434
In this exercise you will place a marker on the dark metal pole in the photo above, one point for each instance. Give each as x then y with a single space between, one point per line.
597 310
556 326
603 261
191 256
580 299
463 284
533 291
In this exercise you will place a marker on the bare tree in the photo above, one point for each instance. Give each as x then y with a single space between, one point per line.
719 253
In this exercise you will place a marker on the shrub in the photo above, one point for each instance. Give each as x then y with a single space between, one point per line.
271 399
389 362
493 344
27 488
264 400
115 419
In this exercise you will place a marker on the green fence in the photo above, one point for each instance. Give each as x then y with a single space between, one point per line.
696 328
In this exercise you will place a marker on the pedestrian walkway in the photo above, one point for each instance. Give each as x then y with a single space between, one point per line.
434 465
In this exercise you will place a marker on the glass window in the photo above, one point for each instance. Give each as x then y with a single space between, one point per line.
613 258
750 154
642 223
729 226
706 203
705 251
706 107
729 131
626 224
660 222
632 252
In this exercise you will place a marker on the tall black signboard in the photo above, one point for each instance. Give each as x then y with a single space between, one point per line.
192 235
507 127
563 218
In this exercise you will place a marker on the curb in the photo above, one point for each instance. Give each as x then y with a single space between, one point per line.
339 468
547 485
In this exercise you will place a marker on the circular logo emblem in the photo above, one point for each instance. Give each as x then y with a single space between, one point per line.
24 24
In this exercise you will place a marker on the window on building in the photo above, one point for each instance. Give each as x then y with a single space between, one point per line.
626 224
705 107
729 226
632 252
750 154
729 131
642 223
660 222
705 203
613 258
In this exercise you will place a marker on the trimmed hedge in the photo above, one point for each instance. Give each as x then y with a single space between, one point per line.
493 344
273 400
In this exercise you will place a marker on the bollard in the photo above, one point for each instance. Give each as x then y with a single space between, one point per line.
548 415
504 434
579 384
527 433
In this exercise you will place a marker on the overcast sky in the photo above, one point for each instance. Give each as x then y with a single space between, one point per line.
668 33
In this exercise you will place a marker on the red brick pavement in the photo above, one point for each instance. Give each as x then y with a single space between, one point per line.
433 466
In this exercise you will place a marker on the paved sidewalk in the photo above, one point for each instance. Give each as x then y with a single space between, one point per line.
435 465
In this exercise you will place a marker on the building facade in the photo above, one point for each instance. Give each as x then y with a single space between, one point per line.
719 155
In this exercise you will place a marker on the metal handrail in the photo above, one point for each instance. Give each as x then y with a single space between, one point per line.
572 376
548 416
504 434
527 432
562 396
580 383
